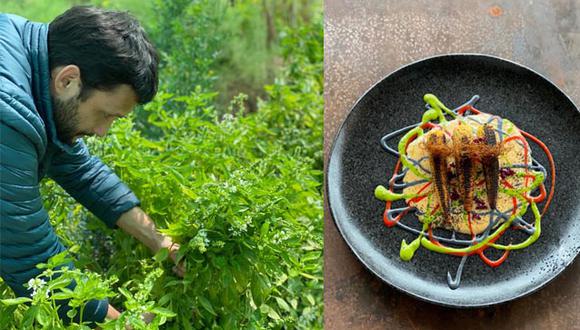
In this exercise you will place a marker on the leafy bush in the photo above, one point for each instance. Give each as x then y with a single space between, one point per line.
226 46
240 193
186 33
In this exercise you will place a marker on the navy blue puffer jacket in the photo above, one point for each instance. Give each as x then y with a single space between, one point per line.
30 150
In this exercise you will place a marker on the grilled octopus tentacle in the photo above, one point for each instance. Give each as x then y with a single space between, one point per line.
438 159
490 164
464 165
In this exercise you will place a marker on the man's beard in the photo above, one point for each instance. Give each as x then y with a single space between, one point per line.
66 119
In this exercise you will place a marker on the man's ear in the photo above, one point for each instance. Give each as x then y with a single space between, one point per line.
67 81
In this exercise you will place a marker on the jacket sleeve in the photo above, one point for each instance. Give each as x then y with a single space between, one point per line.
92 183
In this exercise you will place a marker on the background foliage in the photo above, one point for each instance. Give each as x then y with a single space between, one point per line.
227 160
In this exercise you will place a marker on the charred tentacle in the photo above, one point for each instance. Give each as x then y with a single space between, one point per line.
438 152
464 165
490 164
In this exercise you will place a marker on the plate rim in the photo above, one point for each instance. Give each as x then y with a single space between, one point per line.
340 230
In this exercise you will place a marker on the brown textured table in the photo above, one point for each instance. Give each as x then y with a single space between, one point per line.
366 40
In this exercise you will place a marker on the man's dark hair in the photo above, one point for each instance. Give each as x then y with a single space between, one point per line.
109 47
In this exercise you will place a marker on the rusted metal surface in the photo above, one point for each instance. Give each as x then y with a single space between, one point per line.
366 40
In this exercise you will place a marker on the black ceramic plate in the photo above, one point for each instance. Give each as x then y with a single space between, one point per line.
358 164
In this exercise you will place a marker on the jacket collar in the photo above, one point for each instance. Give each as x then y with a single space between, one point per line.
38 36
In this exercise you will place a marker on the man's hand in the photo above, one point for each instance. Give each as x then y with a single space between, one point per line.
138 224
113 314
179 267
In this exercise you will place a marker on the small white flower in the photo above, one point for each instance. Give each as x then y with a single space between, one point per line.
36 283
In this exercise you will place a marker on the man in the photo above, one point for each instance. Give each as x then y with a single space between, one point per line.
59 82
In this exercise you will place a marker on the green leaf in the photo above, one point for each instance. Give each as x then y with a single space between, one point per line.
75 248
59 283
151 145
71 313
43 317
188 192
162 254
270 311
310 299
126 293
206 304
61 296
163 312
294 303
259 290
58 259
15 301
273 314
264 229
165 299
283 304
30 316
173 283
310 276
283 277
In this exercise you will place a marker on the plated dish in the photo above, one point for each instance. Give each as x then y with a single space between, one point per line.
471 173
358 163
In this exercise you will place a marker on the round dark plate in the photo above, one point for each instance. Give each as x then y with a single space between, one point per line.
358 164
